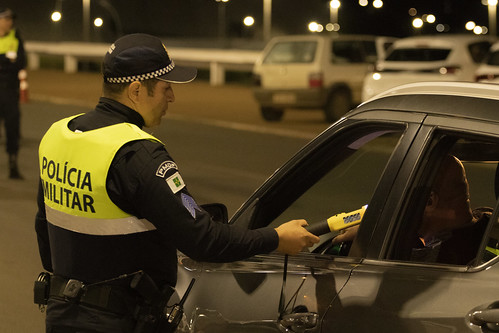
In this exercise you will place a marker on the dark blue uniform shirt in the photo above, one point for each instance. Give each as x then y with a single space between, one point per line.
135 185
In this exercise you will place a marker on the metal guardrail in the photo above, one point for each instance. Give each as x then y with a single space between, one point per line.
218 61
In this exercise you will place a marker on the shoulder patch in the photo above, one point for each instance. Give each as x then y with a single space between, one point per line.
164 167
175 182
190 204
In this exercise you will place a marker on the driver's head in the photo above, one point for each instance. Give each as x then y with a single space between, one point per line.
449 204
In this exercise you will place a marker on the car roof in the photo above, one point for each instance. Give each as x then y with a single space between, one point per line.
435 40
332 36
456 99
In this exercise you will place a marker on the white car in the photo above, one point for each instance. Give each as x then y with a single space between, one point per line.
322 71
428 58
488 71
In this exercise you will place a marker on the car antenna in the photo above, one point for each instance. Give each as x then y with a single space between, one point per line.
282 300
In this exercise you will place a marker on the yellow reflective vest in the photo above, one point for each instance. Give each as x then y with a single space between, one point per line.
73 172
9 43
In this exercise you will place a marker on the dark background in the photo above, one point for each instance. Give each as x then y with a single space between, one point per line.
198 19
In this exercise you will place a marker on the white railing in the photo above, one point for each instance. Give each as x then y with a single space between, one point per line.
218 61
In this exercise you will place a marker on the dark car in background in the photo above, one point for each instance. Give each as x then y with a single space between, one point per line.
385 154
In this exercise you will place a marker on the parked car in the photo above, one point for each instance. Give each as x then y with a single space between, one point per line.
428 58
384 154
314 72
488 71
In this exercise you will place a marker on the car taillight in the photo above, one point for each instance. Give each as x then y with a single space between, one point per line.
449 69
315 80
486 77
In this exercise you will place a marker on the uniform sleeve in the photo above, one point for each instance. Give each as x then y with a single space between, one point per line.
146 182
21 53
42 232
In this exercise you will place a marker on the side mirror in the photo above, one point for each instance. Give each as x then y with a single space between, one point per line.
217 211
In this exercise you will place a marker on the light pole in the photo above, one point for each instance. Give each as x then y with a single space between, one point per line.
267 19
492 6
86 20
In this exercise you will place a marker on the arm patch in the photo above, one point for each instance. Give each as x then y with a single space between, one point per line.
164 167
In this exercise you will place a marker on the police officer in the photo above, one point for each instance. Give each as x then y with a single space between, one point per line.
12 61
112 201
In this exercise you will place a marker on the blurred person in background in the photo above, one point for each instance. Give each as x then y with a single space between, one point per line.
12 64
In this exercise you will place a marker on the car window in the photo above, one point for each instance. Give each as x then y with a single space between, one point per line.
291 52
451 204
341 176
418 54
347 51
478 51
493 58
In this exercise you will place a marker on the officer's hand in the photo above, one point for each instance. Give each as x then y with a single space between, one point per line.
293 237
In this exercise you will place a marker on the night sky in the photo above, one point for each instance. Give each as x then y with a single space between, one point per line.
198 19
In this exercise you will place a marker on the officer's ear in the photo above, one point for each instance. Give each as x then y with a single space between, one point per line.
133 91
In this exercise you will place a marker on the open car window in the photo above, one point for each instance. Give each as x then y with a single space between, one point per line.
448 216
339 175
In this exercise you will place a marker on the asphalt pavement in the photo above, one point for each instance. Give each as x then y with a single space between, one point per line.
53 95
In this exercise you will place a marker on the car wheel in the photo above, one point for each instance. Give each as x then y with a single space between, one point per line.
272 114
338 103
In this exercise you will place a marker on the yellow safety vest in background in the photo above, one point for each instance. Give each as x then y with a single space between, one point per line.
9 42
73 171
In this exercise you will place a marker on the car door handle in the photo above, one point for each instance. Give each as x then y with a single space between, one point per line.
299 322
486 316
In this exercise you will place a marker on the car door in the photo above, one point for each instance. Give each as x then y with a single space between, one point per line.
453 286
352 164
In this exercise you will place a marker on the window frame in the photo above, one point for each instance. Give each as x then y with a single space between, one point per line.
425 168
250 213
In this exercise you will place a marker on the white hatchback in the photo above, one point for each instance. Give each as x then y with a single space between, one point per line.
428 58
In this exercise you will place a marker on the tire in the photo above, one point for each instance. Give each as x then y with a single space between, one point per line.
271 114
338 103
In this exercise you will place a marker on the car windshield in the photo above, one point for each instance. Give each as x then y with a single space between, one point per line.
418 54
291 52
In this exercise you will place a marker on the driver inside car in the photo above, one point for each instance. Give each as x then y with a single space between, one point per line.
450 231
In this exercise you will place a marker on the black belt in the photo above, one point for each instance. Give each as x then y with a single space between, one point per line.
112 298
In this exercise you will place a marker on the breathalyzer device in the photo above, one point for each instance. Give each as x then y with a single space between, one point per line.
338 222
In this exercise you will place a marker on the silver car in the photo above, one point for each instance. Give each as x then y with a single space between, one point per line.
424 159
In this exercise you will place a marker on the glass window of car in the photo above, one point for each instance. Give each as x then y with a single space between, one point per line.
347 51
371 55
339 176
451 204
291 52
493 58
478 51
418 54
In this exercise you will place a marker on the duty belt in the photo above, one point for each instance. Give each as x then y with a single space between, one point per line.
112 298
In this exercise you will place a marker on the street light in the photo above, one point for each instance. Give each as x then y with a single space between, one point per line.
377 3
98 22
417 23
56 16
333 11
